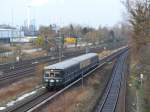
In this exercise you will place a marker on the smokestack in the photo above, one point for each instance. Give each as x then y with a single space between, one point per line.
28 15
12 17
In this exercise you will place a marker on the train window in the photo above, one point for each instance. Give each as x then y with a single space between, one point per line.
52 74
46 74
57 74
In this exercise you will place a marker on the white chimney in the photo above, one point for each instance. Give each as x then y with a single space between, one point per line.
28 15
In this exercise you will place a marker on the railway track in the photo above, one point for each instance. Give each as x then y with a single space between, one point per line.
25 63
110 95
33 62
16 75
30 102
27 68
39 100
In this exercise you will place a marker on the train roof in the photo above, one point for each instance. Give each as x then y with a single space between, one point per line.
70 62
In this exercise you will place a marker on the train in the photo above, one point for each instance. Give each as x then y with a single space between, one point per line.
61 74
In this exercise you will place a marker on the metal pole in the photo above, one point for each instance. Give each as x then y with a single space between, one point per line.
64 102
82 79
141 77
59 53
137 102
12 17
86 48
60 46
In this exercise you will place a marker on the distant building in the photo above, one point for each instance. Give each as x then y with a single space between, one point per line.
30 30
8 34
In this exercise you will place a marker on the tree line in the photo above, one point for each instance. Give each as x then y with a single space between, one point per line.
48 34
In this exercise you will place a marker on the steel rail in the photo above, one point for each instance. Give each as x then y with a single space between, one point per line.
17 65
63 90
23 72
110 96
39 101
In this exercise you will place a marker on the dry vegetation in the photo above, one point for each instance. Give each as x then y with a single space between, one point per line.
105 53
5 59
11 92
139 17
37 54
79 99
19 50
21 87
26 85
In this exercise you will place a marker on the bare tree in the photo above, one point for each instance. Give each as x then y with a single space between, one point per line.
48 37
139 18
139 11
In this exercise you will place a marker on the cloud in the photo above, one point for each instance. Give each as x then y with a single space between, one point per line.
38 3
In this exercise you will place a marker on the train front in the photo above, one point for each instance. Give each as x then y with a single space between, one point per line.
52 79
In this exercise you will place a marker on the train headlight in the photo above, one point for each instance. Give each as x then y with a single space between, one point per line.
46 80
57 80
52 80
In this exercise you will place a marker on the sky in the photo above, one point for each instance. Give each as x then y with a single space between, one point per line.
62 12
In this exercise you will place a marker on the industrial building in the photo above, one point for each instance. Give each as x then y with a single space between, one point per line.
9 34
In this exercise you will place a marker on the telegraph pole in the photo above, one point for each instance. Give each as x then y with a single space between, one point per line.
82 79
60 46
28 15
12 17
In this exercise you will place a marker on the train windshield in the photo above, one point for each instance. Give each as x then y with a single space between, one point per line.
58 73
53 73
46 74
